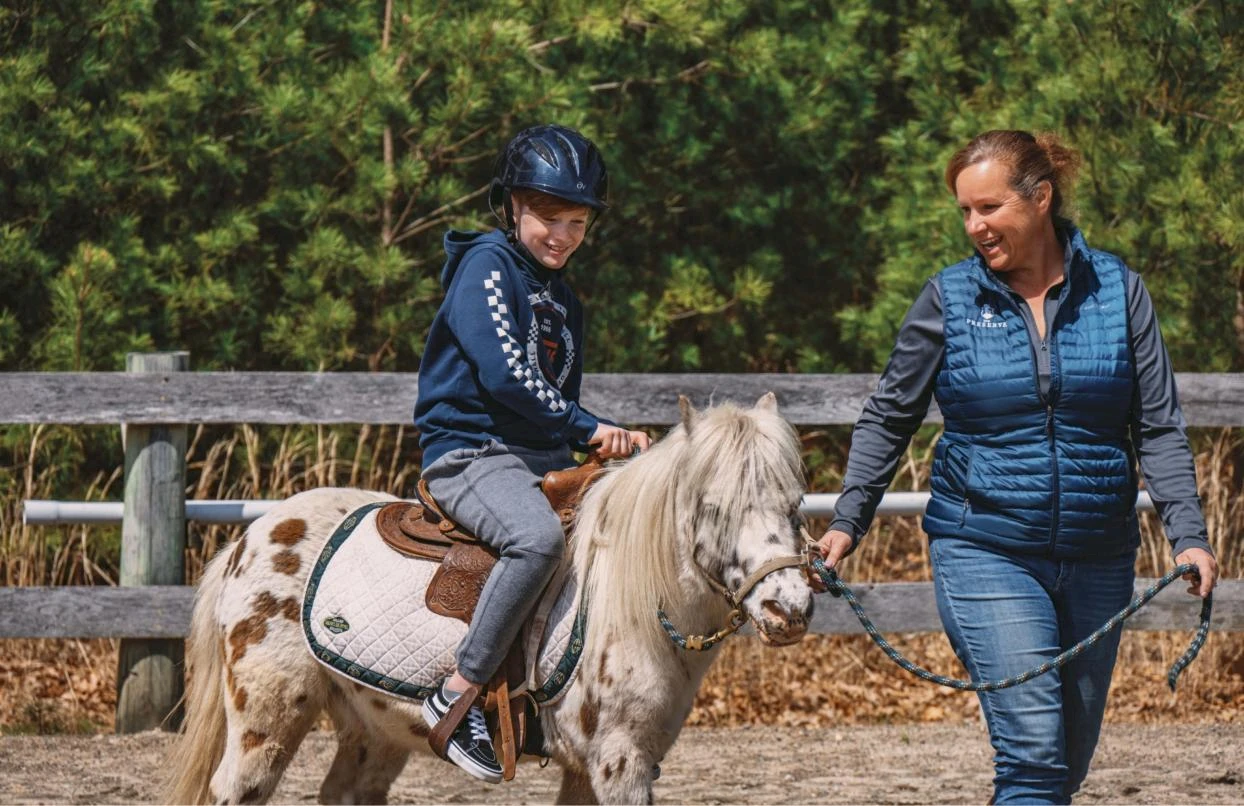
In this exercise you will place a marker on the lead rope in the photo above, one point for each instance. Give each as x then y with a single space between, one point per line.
701 643
837 587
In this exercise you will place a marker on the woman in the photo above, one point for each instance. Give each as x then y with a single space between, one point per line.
1049 369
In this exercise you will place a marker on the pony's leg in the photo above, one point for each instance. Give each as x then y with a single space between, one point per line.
576 788
366 763
350 748
621 773
363 770
269 714
256 759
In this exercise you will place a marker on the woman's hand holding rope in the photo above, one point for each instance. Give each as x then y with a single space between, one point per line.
1206 576
833 546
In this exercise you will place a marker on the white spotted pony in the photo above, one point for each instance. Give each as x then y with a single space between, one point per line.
697 513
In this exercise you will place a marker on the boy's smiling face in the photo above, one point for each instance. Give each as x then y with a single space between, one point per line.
549 228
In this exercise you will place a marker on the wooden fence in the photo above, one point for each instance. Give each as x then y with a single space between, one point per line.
156 400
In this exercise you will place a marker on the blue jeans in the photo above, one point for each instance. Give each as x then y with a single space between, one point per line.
1006 613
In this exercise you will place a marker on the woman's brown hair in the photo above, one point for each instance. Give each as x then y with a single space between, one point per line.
1033 159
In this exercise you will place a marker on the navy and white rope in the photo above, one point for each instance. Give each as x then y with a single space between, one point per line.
835 586
699 643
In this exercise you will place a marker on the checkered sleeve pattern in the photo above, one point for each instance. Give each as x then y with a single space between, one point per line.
520 370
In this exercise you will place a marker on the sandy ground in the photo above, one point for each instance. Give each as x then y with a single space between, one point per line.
891 764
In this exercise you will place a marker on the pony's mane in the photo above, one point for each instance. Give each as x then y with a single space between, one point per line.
626 539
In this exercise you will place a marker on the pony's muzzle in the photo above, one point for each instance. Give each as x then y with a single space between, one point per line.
782 623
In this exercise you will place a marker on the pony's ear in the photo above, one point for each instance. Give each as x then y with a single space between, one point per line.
688 412
767 402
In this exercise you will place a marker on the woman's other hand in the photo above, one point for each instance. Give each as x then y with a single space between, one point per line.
1206 565
833 546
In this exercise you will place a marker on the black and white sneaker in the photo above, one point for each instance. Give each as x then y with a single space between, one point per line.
470 747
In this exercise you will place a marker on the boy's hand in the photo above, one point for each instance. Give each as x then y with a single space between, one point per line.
617 443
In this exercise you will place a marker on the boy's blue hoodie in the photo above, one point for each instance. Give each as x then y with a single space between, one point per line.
504 356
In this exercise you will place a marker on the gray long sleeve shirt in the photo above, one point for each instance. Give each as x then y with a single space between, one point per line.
898 407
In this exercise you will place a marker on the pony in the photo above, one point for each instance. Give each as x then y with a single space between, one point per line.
710 507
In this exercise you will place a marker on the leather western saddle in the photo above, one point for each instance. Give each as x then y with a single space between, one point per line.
420 528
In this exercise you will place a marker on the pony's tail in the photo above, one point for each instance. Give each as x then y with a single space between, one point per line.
198 751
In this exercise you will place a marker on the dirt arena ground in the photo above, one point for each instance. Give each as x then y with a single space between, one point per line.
889 764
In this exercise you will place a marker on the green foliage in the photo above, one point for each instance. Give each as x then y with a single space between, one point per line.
266 185
1148 91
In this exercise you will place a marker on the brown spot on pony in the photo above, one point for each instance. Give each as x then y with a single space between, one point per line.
289 532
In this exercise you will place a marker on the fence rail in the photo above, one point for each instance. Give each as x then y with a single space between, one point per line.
387 398
162 612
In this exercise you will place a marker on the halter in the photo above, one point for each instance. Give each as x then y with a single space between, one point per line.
699 643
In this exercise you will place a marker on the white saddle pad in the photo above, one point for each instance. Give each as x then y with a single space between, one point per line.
364 615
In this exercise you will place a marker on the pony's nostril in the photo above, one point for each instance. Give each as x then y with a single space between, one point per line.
774 609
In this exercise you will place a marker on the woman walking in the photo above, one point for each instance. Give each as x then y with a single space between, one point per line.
1046 361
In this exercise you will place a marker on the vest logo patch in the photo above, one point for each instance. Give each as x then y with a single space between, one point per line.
988 318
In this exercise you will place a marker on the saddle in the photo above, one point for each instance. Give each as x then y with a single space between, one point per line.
421 529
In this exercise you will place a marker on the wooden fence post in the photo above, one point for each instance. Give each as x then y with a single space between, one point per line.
153 542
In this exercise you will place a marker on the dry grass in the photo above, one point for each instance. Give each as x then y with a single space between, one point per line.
835 679
31 555
69 686
247 464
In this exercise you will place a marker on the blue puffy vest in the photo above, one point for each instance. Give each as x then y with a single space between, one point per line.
1013 471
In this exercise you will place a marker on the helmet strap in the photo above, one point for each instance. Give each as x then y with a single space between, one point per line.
511 231
593 216
506 214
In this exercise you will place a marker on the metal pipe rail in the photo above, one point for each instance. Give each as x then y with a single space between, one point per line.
54 513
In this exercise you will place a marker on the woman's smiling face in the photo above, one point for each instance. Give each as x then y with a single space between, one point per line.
1005 227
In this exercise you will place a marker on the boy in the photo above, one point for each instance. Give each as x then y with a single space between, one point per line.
498 397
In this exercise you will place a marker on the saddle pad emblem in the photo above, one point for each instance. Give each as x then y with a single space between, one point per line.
336 624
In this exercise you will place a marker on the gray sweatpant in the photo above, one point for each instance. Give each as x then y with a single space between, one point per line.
494 492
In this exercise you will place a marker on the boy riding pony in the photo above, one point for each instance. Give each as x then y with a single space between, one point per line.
498 399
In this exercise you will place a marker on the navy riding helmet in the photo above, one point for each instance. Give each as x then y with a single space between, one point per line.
551 159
